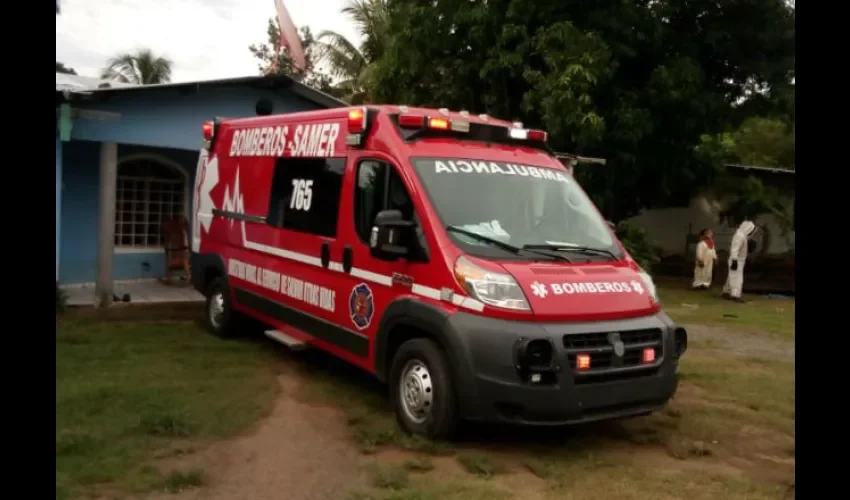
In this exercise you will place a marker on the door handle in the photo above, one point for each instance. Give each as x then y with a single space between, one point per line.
326 254
347 258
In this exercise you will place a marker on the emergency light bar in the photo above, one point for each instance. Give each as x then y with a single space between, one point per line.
433 123
438 123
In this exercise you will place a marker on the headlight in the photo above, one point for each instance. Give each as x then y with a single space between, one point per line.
650 285
495 289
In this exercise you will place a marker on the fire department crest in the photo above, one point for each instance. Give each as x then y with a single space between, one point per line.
361 306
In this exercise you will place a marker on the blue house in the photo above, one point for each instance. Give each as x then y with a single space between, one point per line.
125 160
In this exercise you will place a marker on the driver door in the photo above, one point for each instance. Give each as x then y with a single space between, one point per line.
374 283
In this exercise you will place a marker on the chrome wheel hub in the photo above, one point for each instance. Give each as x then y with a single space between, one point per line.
216 310
416 391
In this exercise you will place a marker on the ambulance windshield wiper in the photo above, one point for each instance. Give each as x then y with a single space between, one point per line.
569 247
504 246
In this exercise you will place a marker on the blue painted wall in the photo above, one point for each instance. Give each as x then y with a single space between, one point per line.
80 202
158 122
165 118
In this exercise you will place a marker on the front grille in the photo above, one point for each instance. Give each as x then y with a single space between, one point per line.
605 365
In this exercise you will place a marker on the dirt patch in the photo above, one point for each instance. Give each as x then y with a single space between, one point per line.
714 338
300 452
443 466
514 478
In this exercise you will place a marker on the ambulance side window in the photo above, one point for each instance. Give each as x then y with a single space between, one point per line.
379 187
305 195
369 195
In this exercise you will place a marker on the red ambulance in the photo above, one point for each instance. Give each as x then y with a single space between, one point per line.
450 254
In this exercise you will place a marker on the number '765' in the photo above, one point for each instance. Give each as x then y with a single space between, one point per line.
302 194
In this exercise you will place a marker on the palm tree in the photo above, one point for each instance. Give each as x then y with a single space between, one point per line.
350 64
141 67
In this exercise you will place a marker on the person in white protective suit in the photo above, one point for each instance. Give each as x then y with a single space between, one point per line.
704 262
737 259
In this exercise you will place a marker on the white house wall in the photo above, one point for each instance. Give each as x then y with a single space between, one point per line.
668 227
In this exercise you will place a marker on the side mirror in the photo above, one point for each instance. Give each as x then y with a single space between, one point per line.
391 235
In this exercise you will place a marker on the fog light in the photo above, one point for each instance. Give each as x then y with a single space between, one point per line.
536 378
649 355
583 361
534 354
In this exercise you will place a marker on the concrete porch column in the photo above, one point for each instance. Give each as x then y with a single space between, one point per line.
106 222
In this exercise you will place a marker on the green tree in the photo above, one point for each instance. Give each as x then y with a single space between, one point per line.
141 67
749 198
278 62
61 68
764 142
637 82
349 64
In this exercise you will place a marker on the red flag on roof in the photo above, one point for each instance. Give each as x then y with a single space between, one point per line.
289 38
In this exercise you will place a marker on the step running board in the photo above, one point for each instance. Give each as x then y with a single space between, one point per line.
290 342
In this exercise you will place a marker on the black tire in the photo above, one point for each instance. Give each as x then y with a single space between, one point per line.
225 324
440 421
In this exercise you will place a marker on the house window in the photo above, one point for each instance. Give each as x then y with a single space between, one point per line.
148 193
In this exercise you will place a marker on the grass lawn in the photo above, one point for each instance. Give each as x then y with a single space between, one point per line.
729 432
127 392
759 314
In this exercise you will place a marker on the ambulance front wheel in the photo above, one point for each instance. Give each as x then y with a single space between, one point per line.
422 390
219 316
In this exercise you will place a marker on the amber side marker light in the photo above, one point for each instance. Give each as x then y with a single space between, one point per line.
438 123
583 361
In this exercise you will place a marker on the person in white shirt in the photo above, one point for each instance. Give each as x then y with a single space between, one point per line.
737 258
705 257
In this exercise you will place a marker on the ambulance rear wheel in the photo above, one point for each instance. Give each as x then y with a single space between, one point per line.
220 318
422 390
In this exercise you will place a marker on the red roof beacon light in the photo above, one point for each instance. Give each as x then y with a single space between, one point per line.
208 131
357 121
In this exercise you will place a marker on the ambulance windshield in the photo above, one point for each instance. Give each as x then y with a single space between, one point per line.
517 204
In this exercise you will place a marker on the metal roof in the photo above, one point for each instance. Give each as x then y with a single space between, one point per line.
599 161
90 87
772 170
77 82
